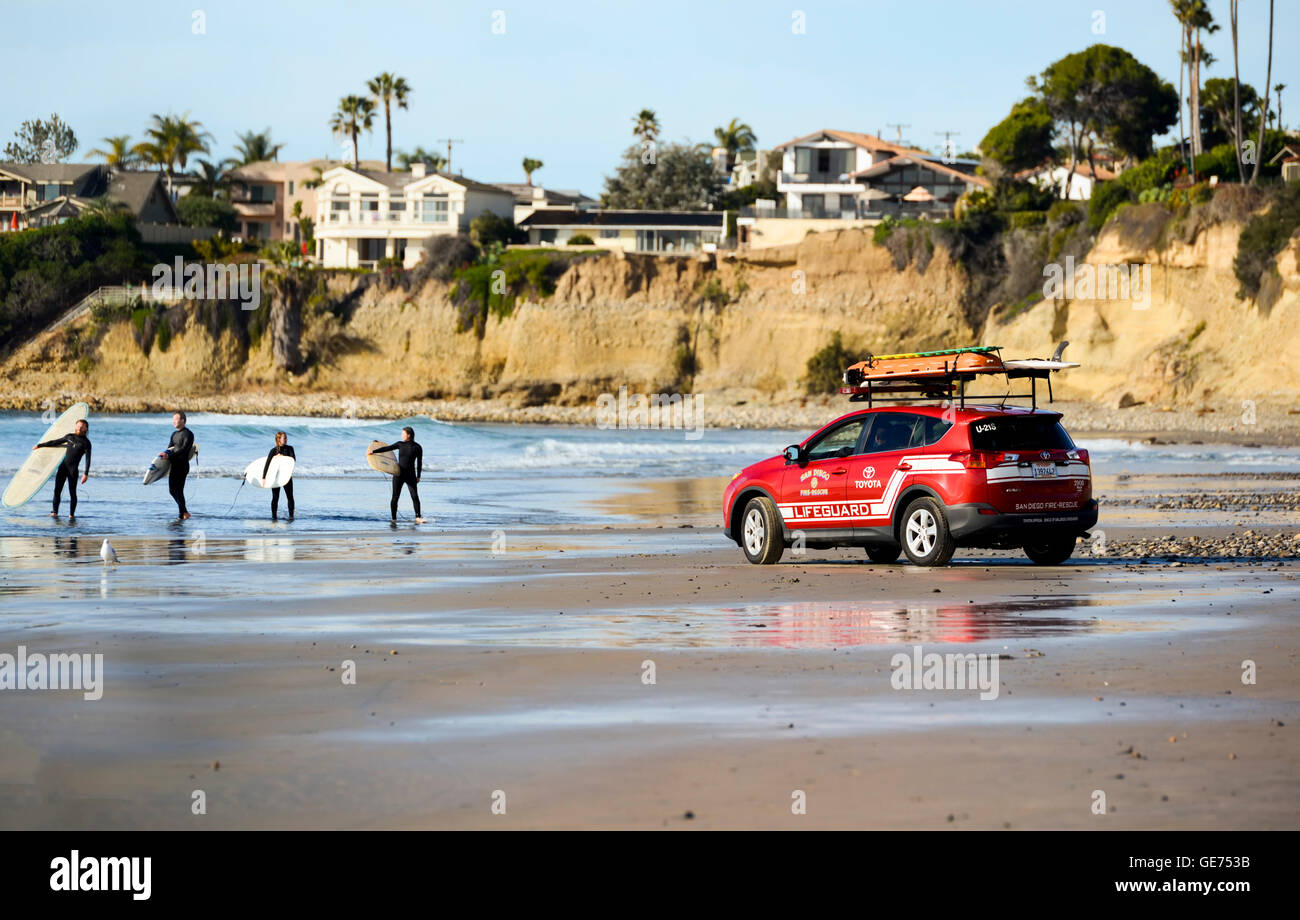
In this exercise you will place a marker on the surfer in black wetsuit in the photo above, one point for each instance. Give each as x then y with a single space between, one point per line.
281 449
178 454
410 465
78 446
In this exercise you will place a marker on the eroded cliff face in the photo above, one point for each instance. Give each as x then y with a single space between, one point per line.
1192 342
625 320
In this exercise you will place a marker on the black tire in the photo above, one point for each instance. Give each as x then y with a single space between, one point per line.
1050 551
761 536
884 554
924 533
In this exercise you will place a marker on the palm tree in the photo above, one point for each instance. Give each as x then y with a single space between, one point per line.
117 152
254 147
1278 89
1263 112
388 89
213 181
104 206
355 114
531 166
737 137
647 125
435 162
1195 16
171 141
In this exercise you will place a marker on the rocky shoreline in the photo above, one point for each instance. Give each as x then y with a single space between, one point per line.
1270 424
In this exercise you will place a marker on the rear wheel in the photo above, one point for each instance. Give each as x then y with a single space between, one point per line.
760 532
1051 551
884 554
925 535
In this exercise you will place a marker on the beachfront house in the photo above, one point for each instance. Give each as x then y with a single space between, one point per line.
43 194
630 231
364 215
834 179
1081 184
528 198
1289 157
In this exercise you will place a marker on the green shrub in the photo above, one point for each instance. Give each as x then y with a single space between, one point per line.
163 337
581 239
1027 220
1106 197
825 369
197 211
1264 237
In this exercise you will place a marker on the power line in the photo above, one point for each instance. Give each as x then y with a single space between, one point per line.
449 141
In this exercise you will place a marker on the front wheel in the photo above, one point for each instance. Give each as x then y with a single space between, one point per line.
884 553
926 539
760 532
1052 551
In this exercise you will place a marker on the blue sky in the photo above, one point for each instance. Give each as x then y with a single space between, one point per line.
563 81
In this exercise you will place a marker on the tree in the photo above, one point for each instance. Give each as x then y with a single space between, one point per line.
1277 88
679 177
291 283
531 166
489 230
435 162
1221 100
1195 17
737 137
42 142
117 152
171 141
1259 145
255 147
1104 92
213 180
197 211
1023 139
647 126
387 89
355 114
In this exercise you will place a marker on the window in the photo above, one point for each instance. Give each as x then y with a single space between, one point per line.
436 208
261 193
890 431
607 234
1008 432
842 442
928 430
290 186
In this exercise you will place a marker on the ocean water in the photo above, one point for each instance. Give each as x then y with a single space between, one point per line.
475 476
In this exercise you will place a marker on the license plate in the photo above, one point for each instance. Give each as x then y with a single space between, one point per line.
1044 470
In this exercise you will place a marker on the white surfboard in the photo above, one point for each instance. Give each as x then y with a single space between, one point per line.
280 472
1038 364
41 464
384 463
158 469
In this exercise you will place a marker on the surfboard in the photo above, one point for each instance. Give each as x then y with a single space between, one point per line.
280 472
1039 364
41 464
385 463
982 360
158 469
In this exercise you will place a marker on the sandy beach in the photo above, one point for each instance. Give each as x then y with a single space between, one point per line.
519 678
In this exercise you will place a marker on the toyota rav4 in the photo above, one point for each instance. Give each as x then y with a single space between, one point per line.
920 480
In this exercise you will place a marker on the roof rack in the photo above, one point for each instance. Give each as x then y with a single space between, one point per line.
950 384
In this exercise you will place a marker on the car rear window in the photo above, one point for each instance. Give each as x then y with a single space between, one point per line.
1019 433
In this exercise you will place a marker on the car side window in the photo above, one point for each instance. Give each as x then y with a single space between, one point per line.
841 442
890 431
928 430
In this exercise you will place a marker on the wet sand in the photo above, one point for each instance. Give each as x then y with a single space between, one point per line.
521 674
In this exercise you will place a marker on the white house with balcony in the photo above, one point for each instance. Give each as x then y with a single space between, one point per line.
364 215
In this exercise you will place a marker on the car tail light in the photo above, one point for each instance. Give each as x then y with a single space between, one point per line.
971 459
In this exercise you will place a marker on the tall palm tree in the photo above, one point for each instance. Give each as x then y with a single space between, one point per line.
736 137
436 162
1263 112
531 166
1195 17
387 89
117 152
355 114
172 138
254 147
647 125
1278 89
214 181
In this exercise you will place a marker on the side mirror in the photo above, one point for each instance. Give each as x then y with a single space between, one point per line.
794 454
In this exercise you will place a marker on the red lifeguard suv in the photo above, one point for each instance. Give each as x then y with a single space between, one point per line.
921 480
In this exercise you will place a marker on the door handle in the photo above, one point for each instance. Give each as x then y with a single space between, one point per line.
904 466
840 472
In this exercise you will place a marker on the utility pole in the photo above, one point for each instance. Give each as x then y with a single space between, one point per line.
899 130
948 155
449 141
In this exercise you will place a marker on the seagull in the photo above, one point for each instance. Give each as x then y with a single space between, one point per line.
107 553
